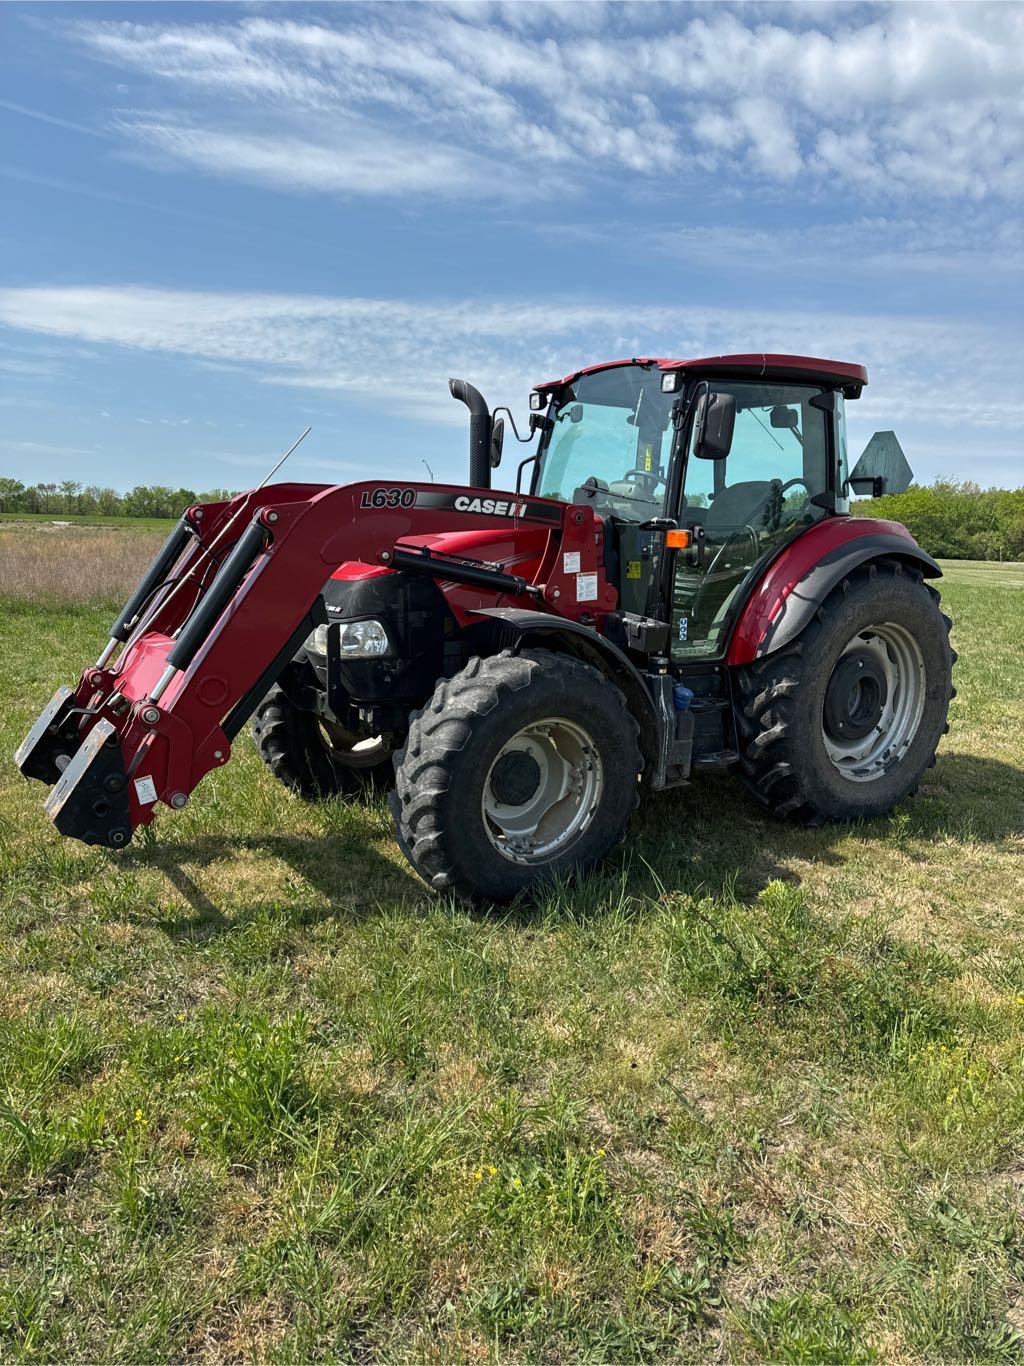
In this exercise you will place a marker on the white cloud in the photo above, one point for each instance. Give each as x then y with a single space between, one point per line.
885 100
359 161
400 352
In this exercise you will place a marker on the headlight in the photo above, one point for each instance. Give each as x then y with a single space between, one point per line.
362 639
356 640
316 641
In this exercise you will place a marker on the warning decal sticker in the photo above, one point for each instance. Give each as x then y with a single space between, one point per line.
586 587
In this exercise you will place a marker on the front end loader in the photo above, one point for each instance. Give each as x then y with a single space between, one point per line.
675 584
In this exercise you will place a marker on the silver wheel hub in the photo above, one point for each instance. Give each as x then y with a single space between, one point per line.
874 702
542 790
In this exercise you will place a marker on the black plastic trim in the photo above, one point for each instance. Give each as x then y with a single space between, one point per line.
812 590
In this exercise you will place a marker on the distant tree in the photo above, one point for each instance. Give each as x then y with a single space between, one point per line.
12 495
49 497
957 521
154 500
69 491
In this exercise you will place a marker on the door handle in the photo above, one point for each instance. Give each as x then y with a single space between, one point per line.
697 547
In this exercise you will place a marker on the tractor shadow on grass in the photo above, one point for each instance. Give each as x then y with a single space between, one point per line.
711 840
704 840
350 886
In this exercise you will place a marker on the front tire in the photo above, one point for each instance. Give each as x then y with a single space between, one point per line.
316 759
520 769
843 723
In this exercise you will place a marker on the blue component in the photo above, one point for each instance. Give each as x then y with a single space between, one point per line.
682 697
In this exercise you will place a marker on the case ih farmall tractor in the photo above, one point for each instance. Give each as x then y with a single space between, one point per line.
675 584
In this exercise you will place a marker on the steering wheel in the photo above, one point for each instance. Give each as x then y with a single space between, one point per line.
648 478
790 483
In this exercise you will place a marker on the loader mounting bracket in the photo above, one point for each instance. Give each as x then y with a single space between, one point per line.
54 733
90 802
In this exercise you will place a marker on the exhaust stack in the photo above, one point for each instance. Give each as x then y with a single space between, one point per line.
479 431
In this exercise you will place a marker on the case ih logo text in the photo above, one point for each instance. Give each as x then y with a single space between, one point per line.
495 507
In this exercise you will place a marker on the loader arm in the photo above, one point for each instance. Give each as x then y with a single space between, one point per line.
225 604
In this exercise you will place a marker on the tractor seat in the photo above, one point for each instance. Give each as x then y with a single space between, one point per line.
739 505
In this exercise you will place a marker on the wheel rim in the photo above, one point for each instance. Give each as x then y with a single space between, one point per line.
349 750
542 790
874 702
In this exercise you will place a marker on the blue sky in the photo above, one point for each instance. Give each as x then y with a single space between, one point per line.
223 223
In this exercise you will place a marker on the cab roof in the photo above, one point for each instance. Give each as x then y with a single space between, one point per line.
835 374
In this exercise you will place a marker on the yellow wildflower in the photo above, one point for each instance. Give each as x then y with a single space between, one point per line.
493 1171
181 1014
600 1152
138 1116
478 1176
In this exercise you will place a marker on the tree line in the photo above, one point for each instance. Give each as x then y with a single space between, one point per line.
956 521
69 498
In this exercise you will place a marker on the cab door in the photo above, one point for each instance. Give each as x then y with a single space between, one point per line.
740 510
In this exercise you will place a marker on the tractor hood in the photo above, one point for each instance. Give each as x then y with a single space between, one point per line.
506 546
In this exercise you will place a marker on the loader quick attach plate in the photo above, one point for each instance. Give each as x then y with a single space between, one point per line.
55 732
90 802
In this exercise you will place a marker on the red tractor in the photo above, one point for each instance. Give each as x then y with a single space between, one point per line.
675 584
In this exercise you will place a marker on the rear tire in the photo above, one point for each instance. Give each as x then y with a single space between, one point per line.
843 723
313 758
520 769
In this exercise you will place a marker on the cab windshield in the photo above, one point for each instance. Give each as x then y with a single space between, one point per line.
610 443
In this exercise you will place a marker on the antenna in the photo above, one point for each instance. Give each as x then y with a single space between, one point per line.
267 478
428 469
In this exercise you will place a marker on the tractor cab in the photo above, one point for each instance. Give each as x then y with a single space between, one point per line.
705 470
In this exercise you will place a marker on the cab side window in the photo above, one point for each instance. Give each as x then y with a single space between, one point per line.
748 504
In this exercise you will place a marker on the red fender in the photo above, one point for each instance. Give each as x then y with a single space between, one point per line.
798 580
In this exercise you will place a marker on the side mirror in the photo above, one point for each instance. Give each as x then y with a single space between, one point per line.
882 468
497 441
716 422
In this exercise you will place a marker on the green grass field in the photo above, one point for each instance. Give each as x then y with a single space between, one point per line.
42 519
750 1093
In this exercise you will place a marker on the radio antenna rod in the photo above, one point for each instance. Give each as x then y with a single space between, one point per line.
267 478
